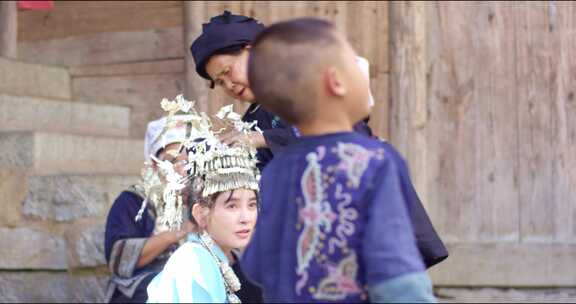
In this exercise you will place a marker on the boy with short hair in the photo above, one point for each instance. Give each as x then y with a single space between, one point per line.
334 224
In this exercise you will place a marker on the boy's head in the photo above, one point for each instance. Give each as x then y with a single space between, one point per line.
305 71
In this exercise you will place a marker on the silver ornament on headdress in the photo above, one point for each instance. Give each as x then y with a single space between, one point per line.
212 165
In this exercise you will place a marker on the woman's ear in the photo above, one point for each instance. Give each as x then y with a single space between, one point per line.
200 215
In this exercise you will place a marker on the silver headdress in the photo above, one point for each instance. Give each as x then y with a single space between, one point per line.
161 187
212 166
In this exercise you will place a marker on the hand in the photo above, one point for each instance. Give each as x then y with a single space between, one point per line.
187 227
254 139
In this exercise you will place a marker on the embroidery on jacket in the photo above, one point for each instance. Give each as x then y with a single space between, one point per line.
354 159
315 214
341 280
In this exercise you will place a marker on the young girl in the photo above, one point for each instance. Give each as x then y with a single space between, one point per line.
199 271
223 195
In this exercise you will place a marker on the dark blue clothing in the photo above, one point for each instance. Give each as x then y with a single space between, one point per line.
124 240
278 134
334 221
121 224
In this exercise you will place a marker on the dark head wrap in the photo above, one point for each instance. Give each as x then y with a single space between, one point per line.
223 32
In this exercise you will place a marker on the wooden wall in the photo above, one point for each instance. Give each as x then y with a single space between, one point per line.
135 53
482 105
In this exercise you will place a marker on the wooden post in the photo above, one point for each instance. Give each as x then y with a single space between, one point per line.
408 92
196 87
8 29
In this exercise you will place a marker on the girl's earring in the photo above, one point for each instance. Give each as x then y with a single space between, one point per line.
205 237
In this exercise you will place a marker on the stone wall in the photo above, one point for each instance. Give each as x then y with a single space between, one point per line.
63 162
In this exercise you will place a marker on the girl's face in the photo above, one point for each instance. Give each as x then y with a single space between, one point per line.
232 218
229 71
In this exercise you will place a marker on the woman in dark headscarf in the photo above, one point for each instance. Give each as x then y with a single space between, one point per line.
221 56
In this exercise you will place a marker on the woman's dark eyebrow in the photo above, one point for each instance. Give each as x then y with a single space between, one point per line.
235 199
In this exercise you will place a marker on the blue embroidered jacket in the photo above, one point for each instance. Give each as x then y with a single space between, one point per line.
334 222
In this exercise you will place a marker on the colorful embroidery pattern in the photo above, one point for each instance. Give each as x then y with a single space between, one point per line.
328 217
347 216
341 280
354 159
315 214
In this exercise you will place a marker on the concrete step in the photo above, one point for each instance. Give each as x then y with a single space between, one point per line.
40 153
27 79
22 113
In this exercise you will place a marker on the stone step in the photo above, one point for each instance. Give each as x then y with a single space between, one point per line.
31 248
52 287
22 113
71 197
27 79
40 153
86 245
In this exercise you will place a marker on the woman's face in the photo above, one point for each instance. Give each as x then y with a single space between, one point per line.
232 218
229 71
178 159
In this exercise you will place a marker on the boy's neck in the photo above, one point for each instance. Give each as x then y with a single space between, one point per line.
320 127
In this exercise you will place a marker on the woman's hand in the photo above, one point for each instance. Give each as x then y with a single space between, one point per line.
254 139
187 227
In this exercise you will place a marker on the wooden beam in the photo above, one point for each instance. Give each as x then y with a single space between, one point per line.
408 92
168 66
507 265
196 87
8 29
105 48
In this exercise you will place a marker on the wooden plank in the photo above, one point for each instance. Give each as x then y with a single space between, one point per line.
565 99
73 18
380 63
334 11
496 130
380 111
545 50
507 265
169 66
465 130
285 10
105 48
359 26
8 29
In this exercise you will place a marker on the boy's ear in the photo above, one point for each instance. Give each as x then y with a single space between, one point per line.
334 82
